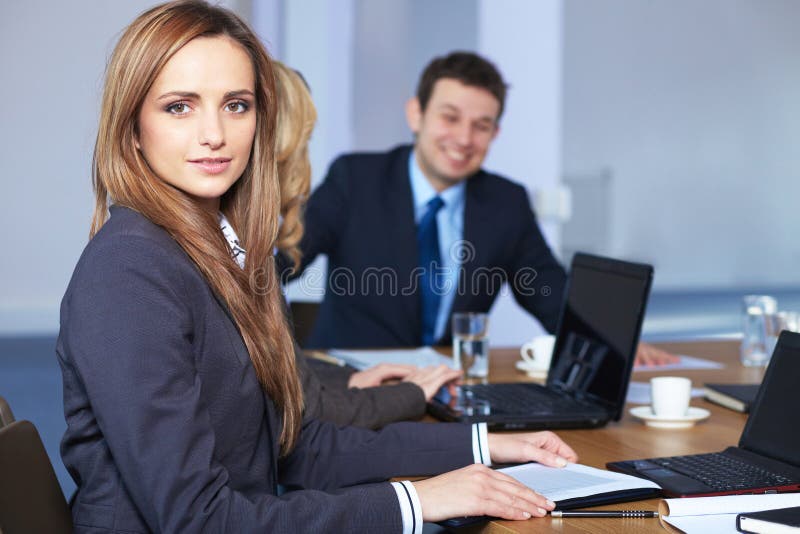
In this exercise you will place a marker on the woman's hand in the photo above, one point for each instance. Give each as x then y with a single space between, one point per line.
375 376
478 490
648 355
543 447
431 379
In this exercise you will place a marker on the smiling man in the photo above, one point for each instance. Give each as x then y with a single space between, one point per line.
417 233
420 232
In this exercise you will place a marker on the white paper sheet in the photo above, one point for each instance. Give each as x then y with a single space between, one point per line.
575 480
639 393
362 359
685 363
705 524
717 515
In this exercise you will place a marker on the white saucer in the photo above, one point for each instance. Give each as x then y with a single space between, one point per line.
523 366
692 416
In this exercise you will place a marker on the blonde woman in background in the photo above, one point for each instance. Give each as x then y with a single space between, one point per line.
334 393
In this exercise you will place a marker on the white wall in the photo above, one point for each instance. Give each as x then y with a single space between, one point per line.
52 62
524 40
695 109
52 59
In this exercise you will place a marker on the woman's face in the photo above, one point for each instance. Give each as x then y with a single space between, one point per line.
198 120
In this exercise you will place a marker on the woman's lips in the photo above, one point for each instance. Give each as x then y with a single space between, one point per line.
211 165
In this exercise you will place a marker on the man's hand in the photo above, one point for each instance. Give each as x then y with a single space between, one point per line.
431 379
648 355
543 447
478 490
375 376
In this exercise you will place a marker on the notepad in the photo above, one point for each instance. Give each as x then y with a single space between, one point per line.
780 520
574 481
711 515
362 359
737 397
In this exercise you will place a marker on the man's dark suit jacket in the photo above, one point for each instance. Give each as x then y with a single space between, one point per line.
362 218
168 428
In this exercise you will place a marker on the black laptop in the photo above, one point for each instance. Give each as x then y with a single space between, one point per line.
767 459
592 359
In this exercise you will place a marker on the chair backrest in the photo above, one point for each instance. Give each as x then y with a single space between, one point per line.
6 415
31 500
304 315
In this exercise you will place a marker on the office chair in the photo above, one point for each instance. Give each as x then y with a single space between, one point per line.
31 500
6 415
303 315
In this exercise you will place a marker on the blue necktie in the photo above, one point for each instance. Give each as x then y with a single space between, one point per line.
429 261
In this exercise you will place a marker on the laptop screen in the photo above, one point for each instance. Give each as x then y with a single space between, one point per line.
599 329
773 428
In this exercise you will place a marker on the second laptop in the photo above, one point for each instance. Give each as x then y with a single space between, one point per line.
596 343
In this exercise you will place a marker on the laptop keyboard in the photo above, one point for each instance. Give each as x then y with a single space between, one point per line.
522 398
722 472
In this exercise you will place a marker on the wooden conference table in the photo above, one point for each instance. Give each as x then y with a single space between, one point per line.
630 439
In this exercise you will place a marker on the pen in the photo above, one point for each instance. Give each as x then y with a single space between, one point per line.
604 513
317 355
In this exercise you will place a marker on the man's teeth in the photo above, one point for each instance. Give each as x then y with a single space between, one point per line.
458 156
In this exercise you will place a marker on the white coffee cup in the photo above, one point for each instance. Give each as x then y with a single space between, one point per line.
538 352
670 395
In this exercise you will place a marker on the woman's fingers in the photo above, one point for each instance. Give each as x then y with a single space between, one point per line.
543 447
375 376
648 355
514 494
431 379
549 441
478 490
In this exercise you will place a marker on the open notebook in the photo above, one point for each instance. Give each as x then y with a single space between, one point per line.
574 486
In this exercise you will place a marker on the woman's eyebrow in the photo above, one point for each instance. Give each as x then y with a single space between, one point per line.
191 94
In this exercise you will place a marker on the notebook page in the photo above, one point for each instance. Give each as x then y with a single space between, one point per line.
573 481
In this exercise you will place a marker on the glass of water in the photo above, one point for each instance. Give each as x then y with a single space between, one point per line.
778 322
759 313
471 344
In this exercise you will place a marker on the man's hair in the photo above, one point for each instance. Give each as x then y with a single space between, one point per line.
466 67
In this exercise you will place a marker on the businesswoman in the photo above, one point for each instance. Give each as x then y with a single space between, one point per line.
183 405
333 393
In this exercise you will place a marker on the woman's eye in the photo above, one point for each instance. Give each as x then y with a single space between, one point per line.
237 107
178 108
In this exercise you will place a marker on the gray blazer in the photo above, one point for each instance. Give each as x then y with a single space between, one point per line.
168 429
328 398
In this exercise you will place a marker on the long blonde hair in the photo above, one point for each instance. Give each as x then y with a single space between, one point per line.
122 176
296 118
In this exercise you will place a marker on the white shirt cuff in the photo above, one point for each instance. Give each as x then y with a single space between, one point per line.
410 507
480 444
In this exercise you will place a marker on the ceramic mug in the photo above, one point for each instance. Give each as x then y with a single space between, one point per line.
538 352
670 396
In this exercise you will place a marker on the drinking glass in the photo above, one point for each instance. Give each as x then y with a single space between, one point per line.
471 343
759 313
778 322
